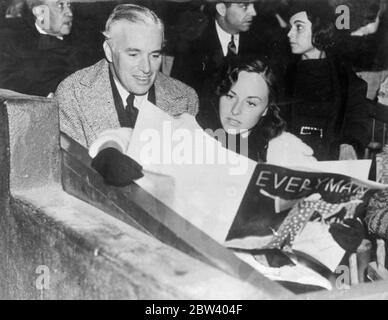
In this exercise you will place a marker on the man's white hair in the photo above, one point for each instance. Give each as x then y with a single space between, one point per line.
134 14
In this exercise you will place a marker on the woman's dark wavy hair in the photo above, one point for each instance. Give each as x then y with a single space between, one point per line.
322 18
272 124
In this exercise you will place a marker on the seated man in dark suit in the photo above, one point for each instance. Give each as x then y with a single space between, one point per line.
110 93
225 36
35 53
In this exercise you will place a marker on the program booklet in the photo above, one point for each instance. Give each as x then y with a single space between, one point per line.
292 210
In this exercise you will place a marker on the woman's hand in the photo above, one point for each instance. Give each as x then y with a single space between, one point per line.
347 152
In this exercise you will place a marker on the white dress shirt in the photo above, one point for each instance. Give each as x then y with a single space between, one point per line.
124 94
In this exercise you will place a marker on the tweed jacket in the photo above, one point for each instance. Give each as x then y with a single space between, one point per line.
86 105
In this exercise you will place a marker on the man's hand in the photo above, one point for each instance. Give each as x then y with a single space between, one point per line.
116 168
347 152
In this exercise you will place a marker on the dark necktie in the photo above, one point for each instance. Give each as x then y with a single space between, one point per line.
232 49
131 110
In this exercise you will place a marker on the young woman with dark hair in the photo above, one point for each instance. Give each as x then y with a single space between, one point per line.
328 112
243 106
245 119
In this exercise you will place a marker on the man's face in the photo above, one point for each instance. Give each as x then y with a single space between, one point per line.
135 52
58 17
239 16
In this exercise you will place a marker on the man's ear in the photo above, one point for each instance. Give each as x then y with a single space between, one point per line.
40 12
107 51
221 9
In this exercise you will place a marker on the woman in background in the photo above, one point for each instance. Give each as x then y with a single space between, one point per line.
329 111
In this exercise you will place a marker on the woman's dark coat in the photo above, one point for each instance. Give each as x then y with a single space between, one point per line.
350 123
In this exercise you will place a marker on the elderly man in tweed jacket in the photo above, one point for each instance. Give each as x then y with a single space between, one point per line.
99 97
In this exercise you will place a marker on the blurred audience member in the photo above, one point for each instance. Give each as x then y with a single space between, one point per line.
35 53
14 10
224 37
365 44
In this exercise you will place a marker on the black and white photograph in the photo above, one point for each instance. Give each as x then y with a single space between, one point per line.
194 155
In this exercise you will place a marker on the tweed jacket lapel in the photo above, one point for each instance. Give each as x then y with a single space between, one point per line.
170 97
98 105
162 94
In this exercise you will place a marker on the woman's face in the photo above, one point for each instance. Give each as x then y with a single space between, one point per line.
245 103
300 35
